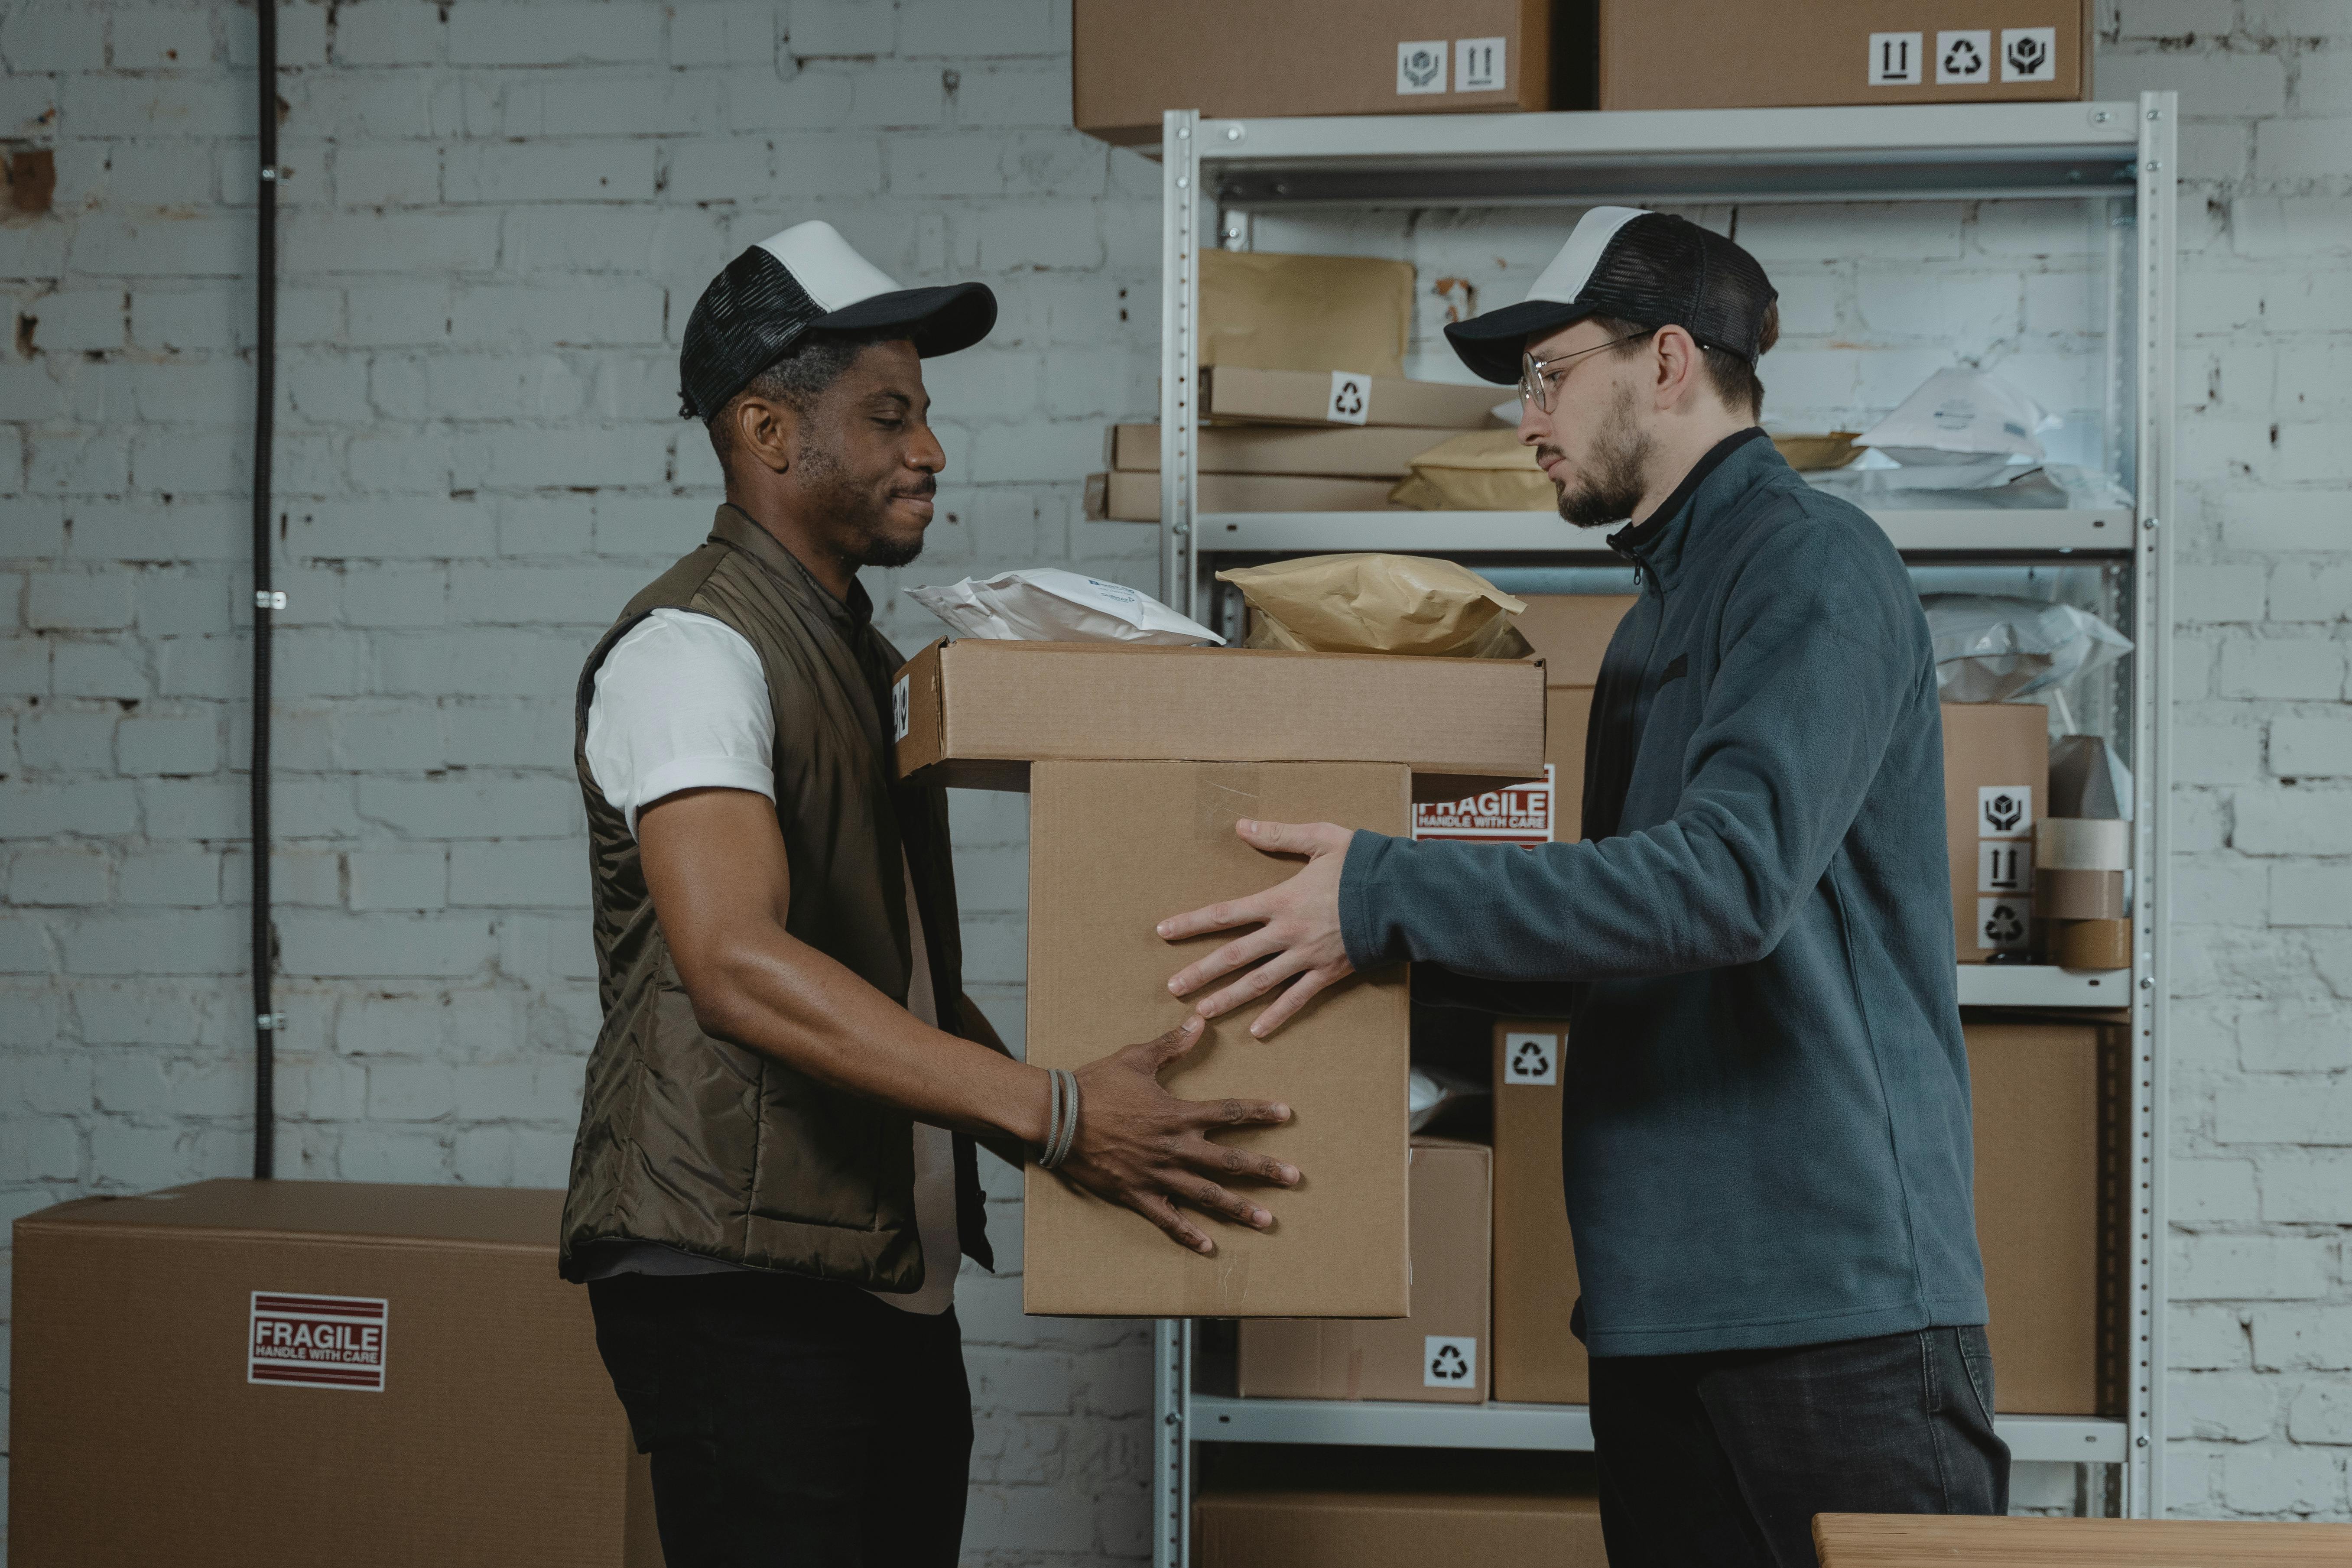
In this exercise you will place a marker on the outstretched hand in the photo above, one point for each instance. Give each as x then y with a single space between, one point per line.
1139 1146
1298 934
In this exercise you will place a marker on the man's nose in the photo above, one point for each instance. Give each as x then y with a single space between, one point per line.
1535 425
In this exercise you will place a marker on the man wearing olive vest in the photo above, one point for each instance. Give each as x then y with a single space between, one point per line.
775 1177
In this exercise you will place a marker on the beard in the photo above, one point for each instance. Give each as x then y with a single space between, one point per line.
838 492
1610 486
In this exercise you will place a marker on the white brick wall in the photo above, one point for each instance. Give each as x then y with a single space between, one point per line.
500 216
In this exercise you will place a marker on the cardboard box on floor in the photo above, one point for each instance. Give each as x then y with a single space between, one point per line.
1132 61
1131 819
1250 1529
1438 1354
1996 777
2037 1095
1721 53
243 1374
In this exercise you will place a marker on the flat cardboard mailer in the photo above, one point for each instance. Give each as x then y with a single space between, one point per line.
1275 312
1133 60
1438 1355
1135 498
1397 1528
1996 777
1343 396
1341 451
261 1375
1721 53
1137 763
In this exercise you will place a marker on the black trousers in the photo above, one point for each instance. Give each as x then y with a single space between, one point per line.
1724 1459
792 1423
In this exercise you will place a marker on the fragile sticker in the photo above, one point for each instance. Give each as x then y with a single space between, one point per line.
1478 64
898 700
1421 66
322 1341
1530 1061
2003 925
1520 814
1351 398
1964 59
2029 54
1894 58
1449 1361
2005 866
2004 811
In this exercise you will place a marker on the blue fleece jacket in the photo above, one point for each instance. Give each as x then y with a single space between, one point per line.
1766 1130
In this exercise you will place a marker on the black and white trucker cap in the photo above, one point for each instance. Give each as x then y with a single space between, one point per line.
807 279
1652 267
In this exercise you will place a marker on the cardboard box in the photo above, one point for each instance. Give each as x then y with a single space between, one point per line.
2037 1093
1340 451
242 1374
1135 498
1720 54
1996 775
975 713
1537 1360
1113 847
1343 397
1132 61
1570 632
1439 1354
1269 310
1395 1528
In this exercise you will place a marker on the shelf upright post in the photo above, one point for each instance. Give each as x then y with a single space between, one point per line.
1171 1443
1179 379
2152 593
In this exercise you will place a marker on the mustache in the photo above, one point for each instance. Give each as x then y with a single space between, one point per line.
922 489
1546 454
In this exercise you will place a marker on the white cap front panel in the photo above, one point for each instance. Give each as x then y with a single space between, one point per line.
833 275
1565 278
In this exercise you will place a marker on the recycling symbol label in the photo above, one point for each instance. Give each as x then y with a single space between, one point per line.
2004 811
2003 924
1530 1060
1351 398
1449 1361
1964 58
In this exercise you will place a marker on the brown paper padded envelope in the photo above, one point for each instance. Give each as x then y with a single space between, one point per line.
1116 847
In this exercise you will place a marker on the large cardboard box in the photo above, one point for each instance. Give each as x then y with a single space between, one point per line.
975 713
1537 1360
1341 451
1133 60
1439 1354
1131 497
2044 1128
1114 846
1996 775
1721 53
1343 397
1397 1528
242 1374
1269 310
1570 632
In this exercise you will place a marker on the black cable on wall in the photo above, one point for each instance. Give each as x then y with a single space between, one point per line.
265 601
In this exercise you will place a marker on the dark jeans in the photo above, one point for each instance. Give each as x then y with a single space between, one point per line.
790 1421
1724 1459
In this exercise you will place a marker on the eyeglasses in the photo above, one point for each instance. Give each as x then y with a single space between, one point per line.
1537 376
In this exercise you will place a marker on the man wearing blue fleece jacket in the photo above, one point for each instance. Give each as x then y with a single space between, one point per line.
1767 1140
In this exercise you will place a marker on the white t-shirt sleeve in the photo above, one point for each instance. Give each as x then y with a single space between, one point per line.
680 703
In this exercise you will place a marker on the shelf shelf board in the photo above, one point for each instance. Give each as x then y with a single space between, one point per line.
1975 532
1867 151
2042 985
2071 1440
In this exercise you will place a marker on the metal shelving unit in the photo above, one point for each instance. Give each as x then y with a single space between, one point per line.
1217 175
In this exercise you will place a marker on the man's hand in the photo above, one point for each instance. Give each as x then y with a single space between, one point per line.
1141 1147
1298 934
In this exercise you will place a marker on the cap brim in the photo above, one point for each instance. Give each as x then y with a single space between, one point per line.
1492 344
940 321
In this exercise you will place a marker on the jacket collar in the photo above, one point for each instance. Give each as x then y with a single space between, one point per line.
1730 466
849 616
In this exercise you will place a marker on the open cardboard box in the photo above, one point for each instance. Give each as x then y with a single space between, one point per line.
1137 762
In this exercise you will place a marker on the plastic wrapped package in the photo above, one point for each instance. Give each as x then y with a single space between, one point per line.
1970 427
1991 648
1366 602
1046 604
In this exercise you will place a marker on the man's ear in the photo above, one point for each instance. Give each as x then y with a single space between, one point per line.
1678 358
769 433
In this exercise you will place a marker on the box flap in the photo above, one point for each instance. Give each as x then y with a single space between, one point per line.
496 1217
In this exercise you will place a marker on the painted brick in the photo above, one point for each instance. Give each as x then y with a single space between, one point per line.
2307 745
2305 821
509 172
723 34
839 27
388 33
554 34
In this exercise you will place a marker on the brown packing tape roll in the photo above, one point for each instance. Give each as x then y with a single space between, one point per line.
2088 944
2067 895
